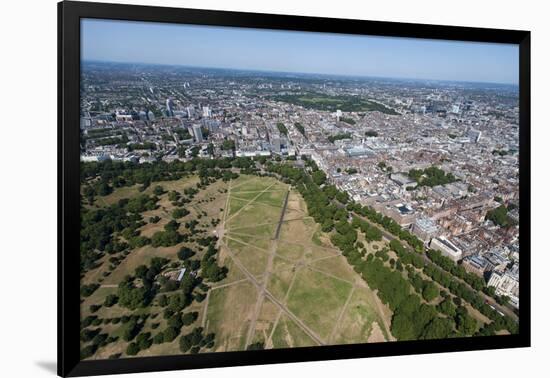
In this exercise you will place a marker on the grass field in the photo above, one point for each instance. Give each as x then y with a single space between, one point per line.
300 284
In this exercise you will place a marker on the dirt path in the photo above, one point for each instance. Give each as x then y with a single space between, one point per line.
340 316
376 335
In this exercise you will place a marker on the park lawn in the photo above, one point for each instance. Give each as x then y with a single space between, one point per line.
339 267
296 231
314 253
259 241
246 183
235 205
260 232
272 198
254 214
117 195
234 273
280 278
289 335
253 259
290 251
358 317
229 313
305 300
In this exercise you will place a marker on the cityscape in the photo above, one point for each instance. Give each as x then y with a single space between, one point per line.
237 209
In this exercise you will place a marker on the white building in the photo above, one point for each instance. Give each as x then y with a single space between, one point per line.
506 284
446 248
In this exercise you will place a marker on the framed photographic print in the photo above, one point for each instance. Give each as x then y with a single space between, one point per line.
241 188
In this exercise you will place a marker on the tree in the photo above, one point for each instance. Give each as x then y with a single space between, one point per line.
430 291
438 328
498 216
144 340
189 318
132 349
159 190
256 346
158 338
162 300
184 253
170 334
447 307
465 324
131 329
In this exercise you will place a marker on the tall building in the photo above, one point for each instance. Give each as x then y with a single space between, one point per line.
169 107
206 112
197 133
190 111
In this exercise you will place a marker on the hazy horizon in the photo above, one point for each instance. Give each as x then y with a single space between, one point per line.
309 53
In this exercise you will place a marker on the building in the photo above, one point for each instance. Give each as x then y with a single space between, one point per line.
206 112
169 107
506 283
403 180
474 135
446 248
358 151
197 133
180 275
425 229
475 264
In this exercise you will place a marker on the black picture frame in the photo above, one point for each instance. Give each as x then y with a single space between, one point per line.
69 15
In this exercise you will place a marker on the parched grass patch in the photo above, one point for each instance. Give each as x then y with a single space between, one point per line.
317 299
296 202
314 253
296 231
234 273
252 183
290 251
272 198
253 259
230 311
280 278
289 335
255 214
356 322
337 266
259 241
263 231
235 205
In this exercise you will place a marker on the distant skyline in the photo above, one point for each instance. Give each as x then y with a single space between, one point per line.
304 52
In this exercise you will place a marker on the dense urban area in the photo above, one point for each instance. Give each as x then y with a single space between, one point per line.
230 210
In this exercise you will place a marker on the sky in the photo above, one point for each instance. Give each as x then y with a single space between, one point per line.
291 51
